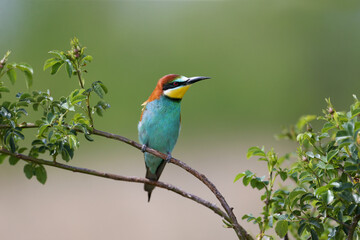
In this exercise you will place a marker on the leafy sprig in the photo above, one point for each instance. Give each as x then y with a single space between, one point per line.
324 202
61 120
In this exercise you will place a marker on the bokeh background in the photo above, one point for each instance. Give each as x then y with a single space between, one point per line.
270 62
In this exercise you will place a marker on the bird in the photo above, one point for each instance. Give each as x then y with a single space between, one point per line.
159 124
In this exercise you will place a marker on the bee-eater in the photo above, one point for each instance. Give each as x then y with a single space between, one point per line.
159 124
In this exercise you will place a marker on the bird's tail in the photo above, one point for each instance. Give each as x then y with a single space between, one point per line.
151 176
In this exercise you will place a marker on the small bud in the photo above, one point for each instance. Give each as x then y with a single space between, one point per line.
304 158
1 66
356 180
2 62
331 110
77 55
309 128
76 50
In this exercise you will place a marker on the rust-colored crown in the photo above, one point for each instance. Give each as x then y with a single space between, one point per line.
156 94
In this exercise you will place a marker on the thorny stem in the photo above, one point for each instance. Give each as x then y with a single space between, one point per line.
229 215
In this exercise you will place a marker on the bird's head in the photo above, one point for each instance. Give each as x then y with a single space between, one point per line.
175 86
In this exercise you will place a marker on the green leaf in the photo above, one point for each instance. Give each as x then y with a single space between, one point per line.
55 68
330 155
89 138
4 89
12 75
19 134
281 228
73 142
29 79
314 235
69 67
347 196
13 160
42 129
50 62
351 208
12 144
310 154
240 175
261 185
77 96
248 177
67 153
98 89
321 190
40 173
304 120
301 228
59 54
50 118
35 106
86 59
283 176
327 126
29 171
355 112
104 88
25 67
295 193
255 151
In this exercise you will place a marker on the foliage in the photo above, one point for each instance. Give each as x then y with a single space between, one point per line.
61 120
323 200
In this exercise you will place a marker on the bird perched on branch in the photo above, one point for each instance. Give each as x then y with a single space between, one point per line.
159 124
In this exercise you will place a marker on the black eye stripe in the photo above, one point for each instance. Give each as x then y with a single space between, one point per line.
173 85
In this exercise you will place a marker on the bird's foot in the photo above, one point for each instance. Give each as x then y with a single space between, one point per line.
168 158
143 148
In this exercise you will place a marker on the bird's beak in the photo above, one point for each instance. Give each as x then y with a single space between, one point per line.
195 79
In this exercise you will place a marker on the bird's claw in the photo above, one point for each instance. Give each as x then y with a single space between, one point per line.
143 148
168 158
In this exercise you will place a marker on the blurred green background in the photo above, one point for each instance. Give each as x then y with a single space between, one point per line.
270 62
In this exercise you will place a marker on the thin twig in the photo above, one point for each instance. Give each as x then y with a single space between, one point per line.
117 177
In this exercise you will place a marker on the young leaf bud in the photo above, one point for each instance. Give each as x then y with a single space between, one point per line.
331 110
309 128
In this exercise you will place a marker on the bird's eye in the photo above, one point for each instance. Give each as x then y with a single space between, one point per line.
175 84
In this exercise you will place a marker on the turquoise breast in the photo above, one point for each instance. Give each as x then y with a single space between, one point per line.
159 128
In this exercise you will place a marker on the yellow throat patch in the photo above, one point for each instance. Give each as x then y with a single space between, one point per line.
177 93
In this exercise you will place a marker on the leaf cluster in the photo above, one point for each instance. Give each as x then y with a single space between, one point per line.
61 120
324 200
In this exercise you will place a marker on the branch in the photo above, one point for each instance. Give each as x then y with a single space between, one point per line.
353 226
240 231
21 125
116 177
